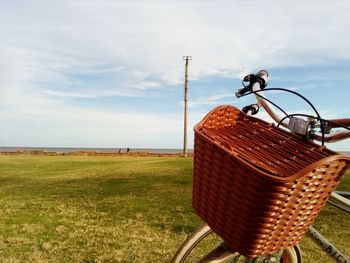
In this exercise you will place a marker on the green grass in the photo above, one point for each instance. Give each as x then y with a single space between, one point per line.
108 209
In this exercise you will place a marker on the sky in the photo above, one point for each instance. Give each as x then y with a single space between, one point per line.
111 73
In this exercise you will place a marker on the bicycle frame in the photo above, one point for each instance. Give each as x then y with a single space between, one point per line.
335 199
222 252
319 239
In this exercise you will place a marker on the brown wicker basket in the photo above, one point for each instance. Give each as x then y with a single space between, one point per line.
258 186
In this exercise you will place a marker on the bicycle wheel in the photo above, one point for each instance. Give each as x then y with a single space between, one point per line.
291 255
198 247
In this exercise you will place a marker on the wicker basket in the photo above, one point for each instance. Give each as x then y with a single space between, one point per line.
258 186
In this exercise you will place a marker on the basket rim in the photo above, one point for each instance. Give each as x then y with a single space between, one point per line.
225 106
335 156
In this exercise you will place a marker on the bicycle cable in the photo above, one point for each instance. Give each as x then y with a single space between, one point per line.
255 92
293 92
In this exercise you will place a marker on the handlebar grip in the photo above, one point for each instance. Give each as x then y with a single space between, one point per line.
241 92
251 109
260 77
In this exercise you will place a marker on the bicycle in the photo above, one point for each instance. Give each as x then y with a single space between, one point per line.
312 128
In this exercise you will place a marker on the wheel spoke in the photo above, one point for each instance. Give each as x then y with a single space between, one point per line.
220 254
197 245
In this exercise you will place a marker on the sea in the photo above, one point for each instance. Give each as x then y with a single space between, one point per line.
103 150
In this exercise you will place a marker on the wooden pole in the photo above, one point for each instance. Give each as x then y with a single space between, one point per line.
186 58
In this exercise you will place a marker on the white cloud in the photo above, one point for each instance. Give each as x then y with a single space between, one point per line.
67 94
151 38
89 127
49 49
211 100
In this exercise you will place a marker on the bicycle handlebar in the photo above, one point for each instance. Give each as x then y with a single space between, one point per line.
334 137
337 123
257 84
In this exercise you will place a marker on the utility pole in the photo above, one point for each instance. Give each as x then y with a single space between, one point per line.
186 58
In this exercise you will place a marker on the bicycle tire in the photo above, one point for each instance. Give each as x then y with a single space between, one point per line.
292 255
222 253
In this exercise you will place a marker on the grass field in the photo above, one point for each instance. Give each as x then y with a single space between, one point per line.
109 209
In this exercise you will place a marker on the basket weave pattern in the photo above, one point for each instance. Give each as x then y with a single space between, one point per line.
258 186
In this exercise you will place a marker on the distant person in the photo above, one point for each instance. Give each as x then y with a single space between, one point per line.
127 150
120 151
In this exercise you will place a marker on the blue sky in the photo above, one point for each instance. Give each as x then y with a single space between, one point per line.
110 73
